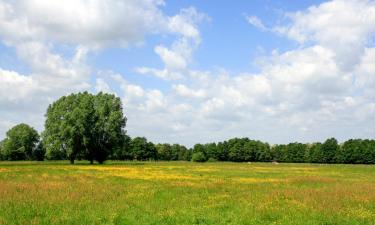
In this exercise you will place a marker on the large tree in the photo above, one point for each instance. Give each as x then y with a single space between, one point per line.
20 142
84 125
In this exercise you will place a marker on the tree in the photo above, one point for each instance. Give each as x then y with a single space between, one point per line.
123 151
314 153
183 153
263 152
20 142
107 130
39 152
329 149
211 151
142 150
198 157
164 151
199 148
293 152
222 151
236 153
356 151
1 150
84 125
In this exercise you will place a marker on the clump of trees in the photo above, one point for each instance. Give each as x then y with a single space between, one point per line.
21 143
84 126
92 127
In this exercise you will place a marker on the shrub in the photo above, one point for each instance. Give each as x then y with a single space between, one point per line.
212 160
198 157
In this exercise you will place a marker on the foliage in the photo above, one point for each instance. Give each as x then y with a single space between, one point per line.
329 149
20 143
141 149
123 151
84 125
198 157
172 152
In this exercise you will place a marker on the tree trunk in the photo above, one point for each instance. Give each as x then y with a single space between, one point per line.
91 161
71 161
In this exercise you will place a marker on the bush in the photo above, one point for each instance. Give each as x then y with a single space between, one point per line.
212 160
198 157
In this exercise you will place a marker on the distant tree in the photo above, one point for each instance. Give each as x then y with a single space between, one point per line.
263 152
369 151
357 151
211 151
314 153
222 151
295 152
84 125
39 152
278 152
183 153
329 149
2 157
20 142
141 149
123 151
164 151
198 157
237 153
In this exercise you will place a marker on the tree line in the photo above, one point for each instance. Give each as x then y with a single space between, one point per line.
91 127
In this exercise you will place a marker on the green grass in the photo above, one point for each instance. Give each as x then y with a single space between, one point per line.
186 193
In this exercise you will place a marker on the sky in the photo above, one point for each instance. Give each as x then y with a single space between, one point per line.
196 71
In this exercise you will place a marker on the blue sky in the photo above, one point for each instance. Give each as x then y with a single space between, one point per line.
196 71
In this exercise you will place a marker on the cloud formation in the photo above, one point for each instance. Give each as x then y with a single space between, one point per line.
321 88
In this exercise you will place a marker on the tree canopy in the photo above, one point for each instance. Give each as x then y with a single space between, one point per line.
20 143
84 125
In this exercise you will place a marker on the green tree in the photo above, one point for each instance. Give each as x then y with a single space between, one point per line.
39 152
2 157
263 152
294 152
222 151
164 151
211 151
198 157
123 151
84 125
141 149
107 130
314 153
20 142
183 153
329 149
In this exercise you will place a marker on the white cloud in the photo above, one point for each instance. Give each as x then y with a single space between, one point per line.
256 22
36 29
344 26
102 86
9 81
321 88
178 56
94 23
184 91
186 23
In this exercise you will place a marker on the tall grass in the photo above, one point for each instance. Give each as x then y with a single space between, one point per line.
186 193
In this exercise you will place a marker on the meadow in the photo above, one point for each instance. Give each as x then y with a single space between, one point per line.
185 193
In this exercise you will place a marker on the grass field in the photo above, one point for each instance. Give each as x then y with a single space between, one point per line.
186 193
